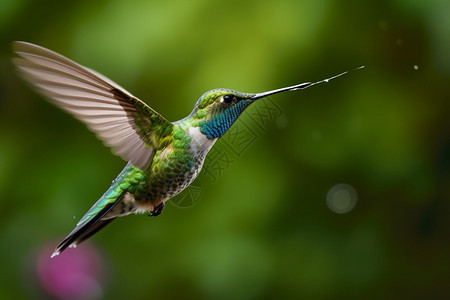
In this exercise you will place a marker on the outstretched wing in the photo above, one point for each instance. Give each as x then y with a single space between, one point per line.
129 126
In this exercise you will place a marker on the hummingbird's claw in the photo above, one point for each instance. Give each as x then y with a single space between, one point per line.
157 211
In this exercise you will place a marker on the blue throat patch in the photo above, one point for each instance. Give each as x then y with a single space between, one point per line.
221 122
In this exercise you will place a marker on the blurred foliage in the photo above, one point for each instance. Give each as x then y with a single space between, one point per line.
262 229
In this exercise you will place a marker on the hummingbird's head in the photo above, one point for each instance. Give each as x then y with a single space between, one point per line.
218 109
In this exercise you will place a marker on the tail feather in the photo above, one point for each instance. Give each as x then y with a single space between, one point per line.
85 230
93 230
100 214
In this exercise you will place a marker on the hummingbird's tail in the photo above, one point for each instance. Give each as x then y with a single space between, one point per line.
85 230
97 217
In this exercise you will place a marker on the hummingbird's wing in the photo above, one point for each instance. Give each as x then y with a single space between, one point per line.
129 126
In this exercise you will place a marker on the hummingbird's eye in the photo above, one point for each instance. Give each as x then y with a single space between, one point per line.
228 99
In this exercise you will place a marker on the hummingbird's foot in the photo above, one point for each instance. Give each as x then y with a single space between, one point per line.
157 211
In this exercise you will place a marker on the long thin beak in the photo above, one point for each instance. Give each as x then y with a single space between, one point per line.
300 86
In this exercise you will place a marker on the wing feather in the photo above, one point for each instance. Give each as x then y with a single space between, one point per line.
130 127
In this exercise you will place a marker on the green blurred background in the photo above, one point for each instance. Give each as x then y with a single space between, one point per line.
261 227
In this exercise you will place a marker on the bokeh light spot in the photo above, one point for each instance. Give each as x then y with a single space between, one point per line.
74 274
341 198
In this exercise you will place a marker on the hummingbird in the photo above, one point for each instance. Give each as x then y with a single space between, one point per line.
163 157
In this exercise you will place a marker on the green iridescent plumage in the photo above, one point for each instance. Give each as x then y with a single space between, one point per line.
131 180
163 157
